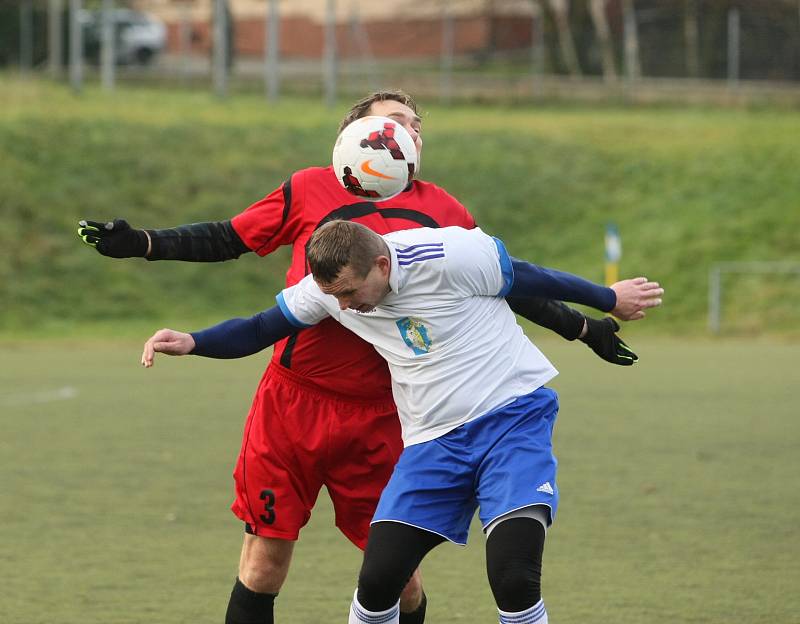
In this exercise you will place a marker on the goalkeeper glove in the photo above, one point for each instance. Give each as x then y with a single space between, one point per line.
601 336
115 239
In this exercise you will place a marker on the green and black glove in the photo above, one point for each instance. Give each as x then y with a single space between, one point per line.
602 338
115 239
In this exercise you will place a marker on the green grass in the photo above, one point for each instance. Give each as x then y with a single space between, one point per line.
687 186
678 481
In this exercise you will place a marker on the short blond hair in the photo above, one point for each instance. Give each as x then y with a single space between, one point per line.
338 244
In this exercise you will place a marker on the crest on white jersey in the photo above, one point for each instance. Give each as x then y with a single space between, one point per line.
415 335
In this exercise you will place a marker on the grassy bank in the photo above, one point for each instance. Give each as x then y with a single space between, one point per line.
687 188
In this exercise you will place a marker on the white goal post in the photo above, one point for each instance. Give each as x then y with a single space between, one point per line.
715 283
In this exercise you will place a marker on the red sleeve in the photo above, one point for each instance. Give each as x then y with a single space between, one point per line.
462 216
469 220
273 221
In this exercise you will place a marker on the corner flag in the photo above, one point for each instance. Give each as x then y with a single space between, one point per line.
613 253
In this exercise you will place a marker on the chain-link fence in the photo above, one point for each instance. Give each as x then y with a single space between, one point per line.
476 48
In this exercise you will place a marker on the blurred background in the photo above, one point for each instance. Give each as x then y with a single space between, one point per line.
488 49
601 137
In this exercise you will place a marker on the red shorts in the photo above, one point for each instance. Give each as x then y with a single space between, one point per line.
298 438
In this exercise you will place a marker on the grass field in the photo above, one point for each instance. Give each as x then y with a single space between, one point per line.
678 478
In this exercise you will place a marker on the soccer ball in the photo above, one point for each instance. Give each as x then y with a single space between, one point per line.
374 158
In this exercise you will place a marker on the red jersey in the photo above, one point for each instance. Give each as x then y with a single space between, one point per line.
328 355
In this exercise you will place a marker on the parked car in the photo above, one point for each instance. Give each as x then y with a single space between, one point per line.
138 37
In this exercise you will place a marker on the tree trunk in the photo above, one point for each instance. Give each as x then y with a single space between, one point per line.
598 11
560 10
691 33
632 65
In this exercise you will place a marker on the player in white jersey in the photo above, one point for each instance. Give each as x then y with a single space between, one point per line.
443 326
469 387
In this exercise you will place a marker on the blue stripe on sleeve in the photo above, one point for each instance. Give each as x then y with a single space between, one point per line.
402 262
506 267
422 247
288 313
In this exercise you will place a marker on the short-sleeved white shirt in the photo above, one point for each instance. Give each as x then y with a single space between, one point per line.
453 345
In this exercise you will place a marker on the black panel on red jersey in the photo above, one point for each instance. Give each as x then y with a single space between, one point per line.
362 209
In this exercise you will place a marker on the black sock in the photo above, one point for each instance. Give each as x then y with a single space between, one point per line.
418 616
249 607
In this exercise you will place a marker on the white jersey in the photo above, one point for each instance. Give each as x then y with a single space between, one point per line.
453 345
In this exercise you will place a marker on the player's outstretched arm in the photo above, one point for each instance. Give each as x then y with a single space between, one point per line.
195 242
235 338
600 335
115 239
627 299
552 315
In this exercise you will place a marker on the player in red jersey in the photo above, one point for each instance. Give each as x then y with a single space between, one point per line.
324 386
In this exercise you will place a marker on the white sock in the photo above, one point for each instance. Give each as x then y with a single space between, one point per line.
535 615
359 615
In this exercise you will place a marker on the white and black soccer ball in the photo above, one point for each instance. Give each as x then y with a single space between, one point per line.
374 158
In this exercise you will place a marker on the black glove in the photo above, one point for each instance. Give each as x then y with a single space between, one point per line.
115 239
601 336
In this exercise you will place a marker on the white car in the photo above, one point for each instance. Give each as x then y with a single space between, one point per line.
139 37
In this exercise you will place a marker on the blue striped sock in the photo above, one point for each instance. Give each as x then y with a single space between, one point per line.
534 615
359 615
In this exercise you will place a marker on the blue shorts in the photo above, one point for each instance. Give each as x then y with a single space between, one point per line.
500 462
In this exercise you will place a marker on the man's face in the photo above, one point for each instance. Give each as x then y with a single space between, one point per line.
361 294
403 115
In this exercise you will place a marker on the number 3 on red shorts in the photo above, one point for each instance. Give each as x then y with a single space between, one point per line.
268 496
